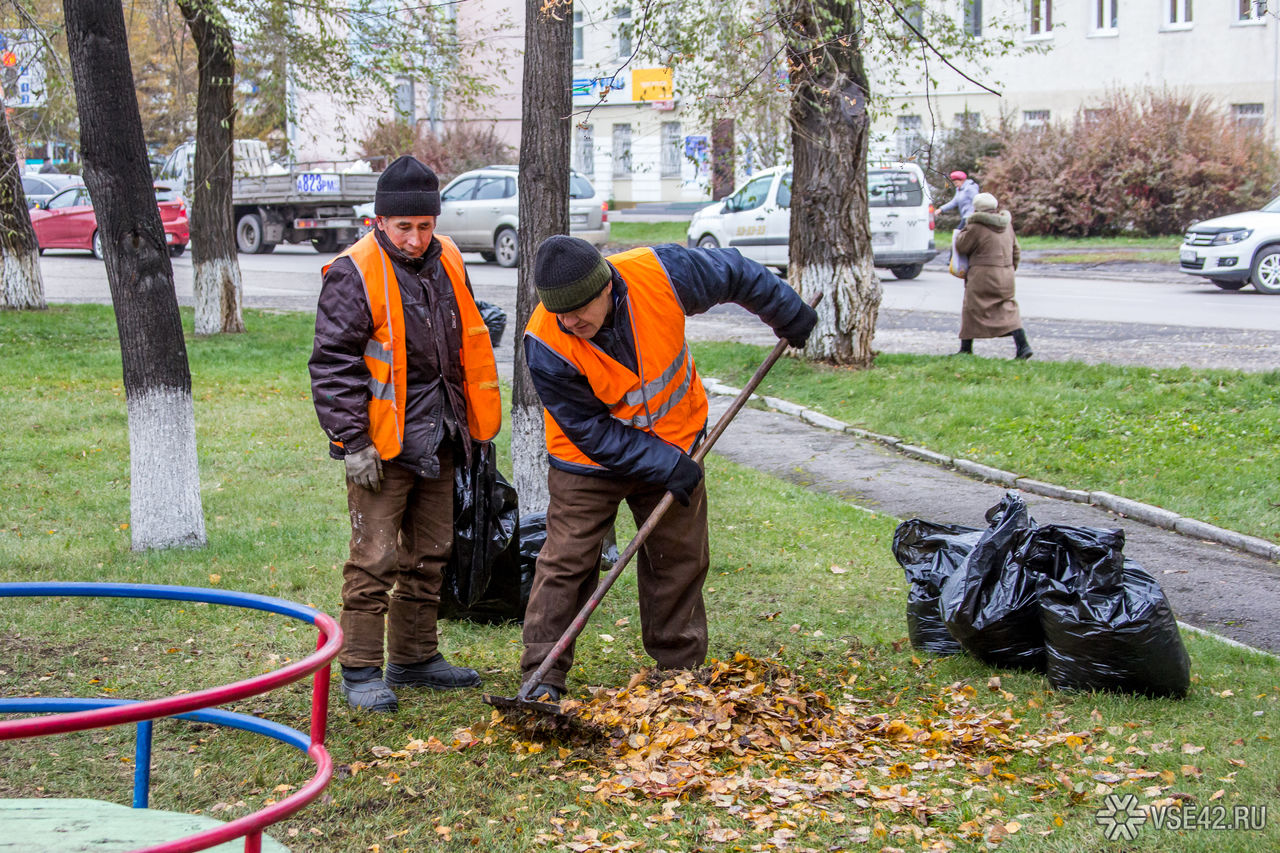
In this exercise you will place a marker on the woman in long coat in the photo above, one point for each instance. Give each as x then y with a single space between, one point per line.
990 310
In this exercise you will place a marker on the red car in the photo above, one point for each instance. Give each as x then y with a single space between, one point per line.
66 221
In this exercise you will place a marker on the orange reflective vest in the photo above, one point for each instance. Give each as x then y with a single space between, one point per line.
386 357
665 397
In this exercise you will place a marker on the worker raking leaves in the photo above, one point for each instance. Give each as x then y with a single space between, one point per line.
625 410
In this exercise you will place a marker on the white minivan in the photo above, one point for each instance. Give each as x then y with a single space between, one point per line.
756 220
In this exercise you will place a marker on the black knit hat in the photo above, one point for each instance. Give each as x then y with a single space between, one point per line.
568 273
407 188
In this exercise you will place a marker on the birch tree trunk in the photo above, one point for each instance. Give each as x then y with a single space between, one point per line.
165 508
21 285
216 267
544 211
830 233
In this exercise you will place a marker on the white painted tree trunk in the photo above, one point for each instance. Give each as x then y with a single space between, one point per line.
21 285
216 289
165 490
848 312
529 458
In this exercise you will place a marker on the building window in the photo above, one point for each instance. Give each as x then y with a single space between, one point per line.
622 150
1249 116
404 101
579 39
1252 10
1096 115
671 149
913 17
1040 18
973 17
1179 12
1105 15
584 150
1035 118
909 136
967 121
623 14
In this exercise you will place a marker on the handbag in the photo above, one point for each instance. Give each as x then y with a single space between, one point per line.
959 265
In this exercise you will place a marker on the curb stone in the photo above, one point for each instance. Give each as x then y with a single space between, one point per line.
1146 513
1050 490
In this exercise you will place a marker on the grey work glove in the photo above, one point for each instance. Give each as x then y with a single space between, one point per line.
364 468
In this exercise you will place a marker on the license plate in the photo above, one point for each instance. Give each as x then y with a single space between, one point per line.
1188 255
578 218
882 238
312 182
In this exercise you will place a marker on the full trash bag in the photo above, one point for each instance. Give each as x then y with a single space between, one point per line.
494 318
930 553
989 603
1107 623
482 578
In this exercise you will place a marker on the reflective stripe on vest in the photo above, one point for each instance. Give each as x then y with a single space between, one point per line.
664 395
385 355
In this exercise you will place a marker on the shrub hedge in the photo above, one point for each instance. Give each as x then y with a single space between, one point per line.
1144 164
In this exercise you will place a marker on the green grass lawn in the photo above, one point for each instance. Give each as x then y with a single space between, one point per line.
1201 443
802 579
1067 250
631 234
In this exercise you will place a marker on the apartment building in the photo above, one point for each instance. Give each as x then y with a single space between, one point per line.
1228 50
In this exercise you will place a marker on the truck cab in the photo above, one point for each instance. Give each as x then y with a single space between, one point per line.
272 204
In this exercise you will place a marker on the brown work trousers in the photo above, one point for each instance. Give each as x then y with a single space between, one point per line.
401 538
671 567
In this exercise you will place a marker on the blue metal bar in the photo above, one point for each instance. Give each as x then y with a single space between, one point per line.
230 719
162 591
142 766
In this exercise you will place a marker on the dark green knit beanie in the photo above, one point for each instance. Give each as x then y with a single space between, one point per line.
568 272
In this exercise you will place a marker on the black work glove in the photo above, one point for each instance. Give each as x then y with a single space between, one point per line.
364 468
797 331
683 479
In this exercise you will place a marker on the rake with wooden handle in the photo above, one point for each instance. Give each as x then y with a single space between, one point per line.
522 700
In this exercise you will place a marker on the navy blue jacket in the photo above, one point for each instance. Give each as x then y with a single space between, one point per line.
702 278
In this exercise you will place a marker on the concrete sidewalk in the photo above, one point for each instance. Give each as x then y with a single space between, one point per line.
1211 586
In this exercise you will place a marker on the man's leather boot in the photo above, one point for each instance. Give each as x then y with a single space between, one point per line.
366 691
434 672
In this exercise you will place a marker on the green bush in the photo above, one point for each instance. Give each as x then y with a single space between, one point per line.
1148 163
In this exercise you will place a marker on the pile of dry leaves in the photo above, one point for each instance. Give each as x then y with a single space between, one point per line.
779 757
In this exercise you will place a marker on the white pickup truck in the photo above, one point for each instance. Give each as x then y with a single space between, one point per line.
274 205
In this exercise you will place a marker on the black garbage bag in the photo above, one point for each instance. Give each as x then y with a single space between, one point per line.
533 535
989 603
482 577
1107 623
494 318
929 553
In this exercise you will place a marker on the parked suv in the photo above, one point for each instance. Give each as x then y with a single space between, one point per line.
1232 251
756 220
480 211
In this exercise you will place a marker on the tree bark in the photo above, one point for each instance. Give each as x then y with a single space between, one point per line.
21 285
544 211
165 504
830 242
214 258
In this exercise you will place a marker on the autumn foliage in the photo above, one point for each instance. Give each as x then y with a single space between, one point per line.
456 150
1144 164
